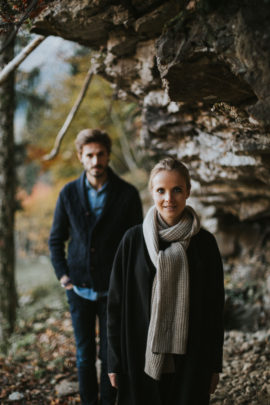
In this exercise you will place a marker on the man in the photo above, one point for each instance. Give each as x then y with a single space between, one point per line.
92 213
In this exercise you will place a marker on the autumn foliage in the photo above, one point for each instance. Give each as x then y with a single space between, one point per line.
13 12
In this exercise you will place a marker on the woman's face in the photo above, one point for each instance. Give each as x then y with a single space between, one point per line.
169 192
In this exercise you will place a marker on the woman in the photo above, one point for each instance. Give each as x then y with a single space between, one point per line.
166 297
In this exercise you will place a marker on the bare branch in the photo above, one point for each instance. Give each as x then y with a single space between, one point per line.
18 25
70 117
124 143
14 63
126 152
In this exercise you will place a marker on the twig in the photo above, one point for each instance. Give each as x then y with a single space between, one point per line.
14 63
6 25
13 32
126 152
70 117
130 162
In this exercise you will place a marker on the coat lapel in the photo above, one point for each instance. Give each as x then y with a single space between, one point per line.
195 262
82 193
196 289
145 276
83 200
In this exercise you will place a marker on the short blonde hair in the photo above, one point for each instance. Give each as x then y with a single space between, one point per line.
169 164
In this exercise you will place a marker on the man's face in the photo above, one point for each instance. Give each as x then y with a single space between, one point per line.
95 159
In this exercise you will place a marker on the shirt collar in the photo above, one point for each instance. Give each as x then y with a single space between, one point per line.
90 187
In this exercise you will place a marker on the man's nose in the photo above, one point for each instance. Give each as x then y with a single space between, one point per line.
94 160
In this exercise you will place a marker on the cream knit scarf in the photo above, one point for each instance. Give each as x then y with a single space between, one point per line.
168 328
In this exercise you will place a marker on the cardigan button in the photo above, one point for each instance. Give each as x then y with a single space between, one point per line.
92 250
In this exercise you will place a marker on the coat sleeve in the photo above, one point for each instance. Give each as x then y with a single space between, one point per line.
218 307
116 309
58 236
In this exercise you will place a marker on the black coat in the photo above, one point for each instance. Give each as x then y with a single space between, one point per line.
91 243
129 316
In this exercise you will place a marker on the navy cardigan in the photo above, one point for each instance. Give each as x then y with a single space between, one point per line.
92 243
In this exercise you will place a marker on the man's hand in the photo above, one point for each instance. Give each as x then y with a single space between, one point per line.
66 282
214 382
113 379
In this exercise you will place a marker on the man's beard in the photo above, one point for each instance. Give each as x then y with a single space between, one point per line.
101 171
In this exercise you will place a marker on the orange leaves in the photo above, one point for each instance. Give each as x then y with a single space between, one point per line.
12 11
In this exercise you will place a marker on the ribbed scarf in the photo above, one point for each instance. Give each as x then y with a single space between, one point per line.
168 328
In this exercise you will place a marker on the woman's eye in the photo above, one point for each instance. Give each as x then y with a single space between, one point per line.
160 190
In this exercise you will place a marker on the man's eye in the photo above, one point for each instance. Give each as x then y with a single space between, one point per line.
177 190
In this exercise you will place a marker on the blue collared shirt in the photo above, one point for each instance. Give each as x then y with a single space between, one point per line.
97 200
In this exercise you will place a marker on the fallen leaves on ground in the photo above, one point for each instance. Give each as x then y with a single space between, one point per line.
41 355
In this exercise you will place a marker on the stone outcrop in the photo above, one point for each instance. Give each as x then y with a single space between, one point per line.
201 74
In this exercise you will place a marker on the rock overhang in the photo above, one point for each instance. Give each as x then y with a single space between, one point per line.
210 67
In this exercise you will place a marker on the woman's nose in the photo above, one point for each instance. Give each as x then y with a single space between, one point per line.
168 196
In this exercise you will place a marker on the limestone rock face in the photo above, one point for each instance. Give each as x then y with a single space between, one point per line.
201 74
217 57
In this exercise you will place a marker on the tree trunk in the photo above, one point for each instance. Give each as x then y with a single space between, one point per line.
8 296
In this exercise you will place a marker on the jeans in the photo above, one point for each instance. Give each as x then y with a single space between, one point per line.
83 314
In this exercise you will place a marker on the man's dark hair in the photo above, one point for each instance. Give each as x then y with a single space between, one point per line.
88 135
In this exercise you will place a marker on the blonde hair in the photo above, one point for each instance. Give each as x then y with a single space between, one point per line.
169 164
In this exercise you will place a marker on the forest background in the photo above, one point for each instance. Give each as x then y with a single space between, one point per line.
47 86
42 105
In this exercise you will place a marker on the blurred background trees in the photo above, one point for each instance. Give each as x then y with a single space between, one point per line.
36 102
45 111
